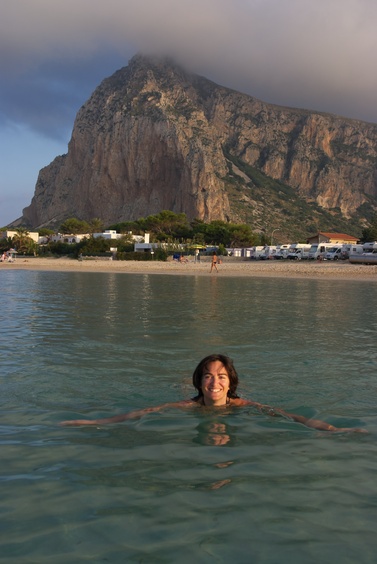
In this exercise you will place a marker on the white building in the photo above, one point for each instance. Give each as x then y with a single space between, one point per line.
32 234
68 237
146 246
108 234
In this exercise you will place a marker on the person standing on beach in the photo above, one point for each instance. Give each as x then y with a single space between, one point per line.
214 262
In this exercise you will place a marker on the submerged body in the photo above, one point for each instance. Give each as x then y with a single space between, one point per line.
216 381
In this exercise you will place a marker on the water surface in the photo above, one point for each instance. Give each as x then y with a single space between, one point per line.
179 485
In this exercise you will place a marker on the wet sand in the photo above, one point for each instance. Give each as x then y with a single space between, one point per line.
342 270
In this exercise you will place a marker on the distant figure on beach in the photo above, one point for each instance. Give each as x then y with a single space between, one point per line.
215 380
214 262
3 257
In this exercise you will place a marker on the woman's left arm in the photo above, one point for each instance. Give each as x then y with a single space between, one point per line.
318 424
309 422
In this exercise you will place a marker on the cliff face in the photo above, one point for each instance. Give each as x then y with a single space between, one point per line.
152 137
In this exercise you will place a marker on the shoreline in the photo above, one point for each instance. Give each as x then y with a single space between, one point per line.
229 268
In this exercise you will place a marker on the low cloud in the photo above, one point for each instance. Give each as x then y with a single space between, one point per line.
316 55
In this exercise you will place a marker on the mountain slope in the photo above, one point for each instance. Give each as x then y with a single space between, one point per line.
152 137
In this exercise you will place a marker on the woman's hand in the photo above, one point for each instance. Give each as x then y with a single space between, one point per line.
347 430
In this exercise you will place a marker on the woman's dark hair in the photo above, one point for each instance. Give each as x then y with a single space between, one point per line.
229 367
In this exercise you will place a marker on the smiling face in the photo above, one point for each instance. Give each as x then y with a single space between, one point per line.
215 384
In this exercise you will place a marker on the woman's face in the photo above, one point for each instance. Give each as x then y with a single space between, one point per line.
215 384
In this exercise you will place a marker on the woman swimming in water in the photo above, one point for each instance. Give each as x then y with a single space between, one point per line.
215 380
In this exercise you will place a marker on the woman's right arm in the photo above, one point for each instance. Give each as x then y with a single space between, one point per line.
125 416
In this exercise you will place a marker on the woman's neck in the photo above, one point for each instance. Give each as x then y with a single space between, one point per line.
203 402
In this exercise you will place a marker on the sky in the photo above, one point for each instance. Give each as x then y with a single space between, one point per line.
318 55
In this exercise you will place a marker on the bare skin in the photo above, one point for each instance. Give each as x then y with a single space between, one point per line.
215 387
263 408
214 263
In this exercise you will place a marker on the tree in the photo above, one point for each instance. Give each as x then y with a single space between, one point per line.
93 246
74 226
126 227
44 232
370 233
166 224
96 225
22 242
242 235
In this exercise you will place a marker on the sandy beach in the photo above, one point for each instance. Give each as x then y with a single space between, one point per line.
229 267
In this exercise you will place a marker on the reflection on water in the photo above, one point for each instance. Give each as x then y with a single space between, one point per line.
187 485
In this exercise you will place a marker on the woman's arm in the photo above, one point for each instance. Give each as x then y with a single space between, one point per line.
318 424
125 416
312 423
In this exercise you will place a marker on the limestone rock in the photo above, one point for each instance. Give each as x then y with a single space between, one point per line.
153 137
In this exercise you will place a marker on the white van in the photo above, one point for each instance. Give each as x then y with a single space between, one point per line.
334 253
318 250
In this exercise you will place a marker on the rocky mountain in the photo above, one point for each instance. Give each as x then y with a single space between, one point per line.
153 137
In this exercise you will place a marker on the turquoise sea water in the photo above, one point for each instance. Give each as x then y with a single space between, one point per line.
185 486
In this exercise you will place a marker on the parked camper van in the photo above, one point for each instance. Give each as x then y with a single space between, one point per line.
298 251
370 247
281 252
333 253
348 250
258 252
318 250
269 252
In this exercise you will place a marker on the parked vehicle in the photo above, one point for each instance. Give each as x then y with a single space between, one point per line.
298 251
258 253
349 249
370 247
334 253
281 252
318 250
368 256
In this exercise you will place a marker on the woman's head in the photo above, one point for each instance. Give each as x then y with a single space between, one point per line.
227 364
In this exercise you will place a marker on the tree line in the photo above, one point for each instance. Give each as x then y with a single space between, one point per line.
166 226
170 226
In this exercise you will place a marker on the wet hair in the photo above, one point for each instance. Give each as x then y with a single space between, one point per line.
229 367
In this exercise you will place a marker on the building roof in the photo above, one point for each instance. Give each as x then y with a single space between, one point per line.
337 236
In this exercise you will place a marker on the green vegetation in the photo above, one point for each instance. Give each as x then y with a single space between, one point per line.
171 227
74 226
21 242
370 233
174 230
44 232
266 204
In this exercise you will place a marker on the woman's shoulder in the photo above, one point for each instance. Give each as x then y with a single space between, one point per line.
184 403
239 402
